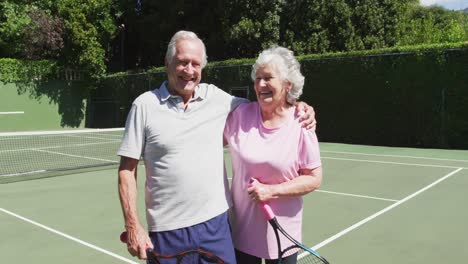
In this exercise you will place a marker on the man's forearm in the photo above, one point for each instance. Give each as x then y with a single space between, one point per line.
128 197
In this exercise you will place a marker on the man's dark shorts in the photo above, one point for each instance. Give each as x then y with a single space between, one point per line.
213 236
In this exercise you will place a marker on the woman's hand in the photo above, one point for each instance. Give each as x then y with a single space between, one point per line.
260 192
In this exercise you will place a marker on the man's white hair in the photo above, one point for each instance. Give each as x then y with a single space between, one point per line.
184 35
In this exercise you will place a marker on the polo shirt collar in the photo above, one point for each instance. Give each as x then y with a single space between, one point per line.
200 92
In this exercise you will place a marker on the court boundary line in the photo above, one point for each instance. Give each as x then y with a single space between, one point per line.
350 194
22 173
396 163
75 156
357 195
79 241
394 156
386 209
12 113
59 146
60 132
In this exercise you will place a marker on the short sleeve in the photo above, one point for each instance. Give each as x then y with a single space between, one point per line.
229 101
236 101
133 141
309 151
229 125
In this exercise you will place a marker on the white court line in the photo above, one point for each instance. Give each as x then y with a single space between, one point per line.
75 156
397 163
350 194
58 132
22 173
12 113
395 156
62 146
69 237
358 224
103 137
357 195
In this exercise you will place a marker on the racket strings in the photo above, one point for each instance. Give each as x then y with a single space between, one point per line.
304 256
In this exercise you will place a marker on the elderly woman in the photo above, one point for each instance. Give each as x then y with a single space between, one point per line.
269 147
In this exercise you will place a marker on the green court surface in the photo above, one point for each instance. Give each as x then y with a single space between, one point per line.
376 205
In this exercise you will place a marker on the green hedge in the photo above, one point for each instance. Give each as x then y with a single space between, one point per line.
397 100
24 71
406 96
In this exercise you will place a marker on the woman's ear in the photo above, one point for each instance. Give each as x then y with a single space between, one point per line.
288 86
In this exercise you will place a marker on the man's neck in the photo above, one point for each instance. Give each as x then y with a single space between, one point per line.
186 95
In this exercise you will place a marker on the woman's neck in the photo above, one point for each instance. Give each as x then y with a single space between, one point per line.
275 117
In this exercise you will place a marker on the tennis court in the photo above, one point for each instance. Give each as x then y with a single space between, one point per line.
376 205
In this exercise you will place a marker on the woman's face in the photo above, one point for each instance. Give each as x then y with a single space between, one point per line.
269 88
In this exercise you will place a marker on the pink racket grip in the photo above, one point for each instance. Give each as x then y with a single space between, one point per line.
266 209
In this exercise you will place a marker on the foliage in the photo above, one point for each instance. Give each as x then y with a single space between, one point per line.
98 36
250 26
43 36
89 27
434 25
147 28
23 71
76 32
13 18
417 49
311 26
405 96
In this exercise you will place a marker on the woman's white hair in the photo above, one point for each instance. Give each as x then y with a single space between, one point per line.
286 65
184 35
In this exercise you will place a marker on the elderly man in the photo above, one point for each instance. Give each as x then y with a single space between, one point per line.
178 129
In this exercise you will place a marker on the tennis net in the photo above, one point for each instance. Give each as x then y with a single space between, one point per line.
30 155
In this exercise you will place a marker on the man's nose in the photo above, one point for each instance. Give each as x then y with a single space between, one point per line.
189 68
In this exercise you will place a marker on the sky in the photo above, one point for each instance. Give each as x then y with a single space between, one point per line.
449 4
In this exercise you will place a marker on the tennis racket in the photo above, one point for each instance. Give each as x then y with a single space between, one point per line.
305 255
184 257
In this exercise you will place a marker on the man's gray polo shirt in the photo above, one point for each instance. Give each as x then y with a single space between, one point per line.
183 154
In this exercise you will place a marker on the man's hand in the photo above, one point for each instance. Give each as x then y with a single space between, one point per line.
137 238
306 115
137 242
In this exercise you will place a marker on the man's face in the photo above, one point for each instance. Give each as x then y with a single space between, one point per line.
184 71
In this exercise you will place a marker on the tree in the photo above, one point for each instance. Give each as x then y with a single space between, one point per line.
251 25
377 22
426 25
13 18
43 36
89 28
302 29
149 26
75 32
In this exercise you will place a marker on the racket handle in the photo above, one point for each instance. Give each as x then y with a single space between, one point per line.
123 237
266 209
